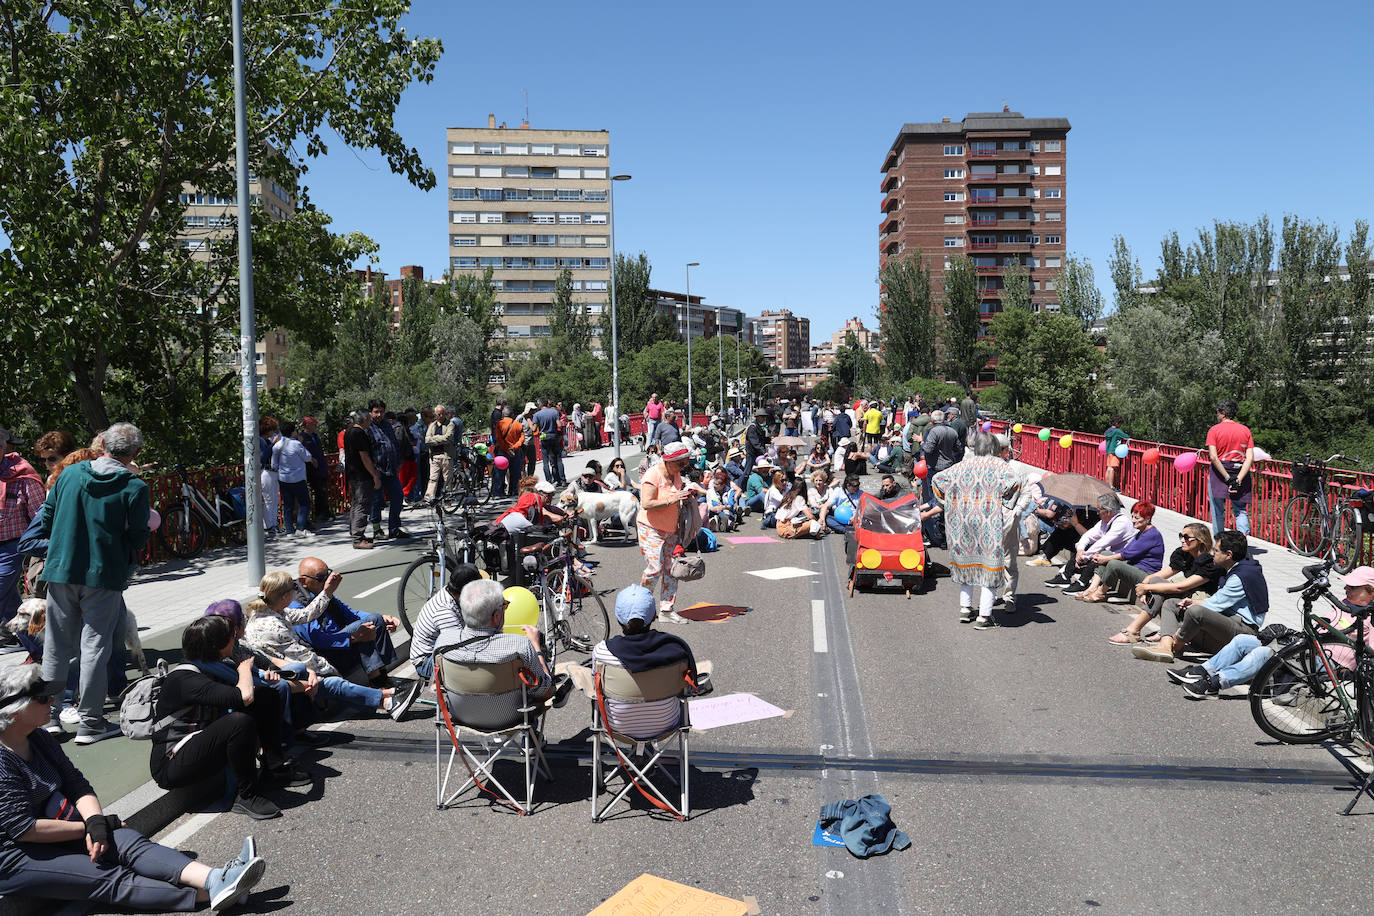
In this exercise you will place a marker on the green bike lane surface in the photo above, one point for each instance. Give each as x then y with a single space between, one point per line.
1036 769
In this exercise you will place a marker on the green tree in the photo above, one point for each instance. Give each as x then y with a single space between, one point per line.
1016 291
112 111
1154 366
1126 276
854 366
831 389
569 327
1065 391
965 352
1017 361
1079 297
419 311
639 322
905 320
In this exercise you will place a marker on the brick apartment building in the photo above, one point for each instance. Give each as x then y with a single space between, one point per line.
822 355
784 338
991 187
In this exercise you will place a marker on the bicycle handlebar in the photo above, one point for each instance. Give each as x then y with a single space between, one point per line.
1315 576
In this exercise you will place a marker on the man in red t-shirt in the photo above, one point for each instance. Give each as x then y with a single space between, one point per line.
1231 452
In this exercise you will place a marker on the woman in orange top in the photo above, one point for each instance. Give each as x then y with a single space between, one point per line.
661 492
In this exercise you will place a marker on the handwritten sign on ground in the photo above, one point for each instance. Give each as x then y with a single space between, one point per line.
753 539
649 895
731 709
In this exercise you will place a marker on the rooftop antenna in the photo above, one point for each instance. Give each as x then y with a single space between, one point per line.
527 105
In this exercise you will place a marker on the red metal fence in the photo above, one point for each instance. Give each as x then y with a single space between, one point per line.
1163 485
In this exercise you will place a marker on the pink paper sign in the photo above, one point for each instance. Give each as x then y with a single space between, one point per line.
752 540
731 709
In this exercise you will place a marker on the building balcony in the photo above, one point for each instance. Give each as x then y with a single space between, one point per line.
987 269
890 201
890 243
1000 200
888 183
890 223
990 293
999 223
1001 178
1000 155
1005 245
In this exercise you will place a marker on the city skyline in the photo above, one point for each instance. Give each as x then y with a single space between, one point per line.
764 165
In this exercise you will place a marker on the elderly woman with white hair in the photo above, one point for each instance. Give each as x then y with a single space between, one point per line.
56 842
974 493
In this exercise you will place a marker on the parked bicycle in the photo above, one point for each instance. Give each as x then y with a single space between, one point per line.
1302 695
1318 520
188 523
571 613
449 546
471 472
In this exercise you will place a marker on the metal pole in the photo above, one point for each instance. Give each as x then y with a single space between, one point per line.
615 328
688 421
252 481
720 360
739 342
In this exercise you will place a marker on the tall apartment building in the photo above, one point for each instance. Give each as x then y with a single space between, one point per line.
784 338
822 355
209 218
705 320
991 187
530 203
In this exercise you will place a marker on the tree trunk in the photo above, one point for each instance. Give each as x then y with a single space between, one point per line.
89 384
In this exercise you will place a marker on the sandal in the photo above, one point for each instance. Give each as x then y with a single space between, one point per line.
1124 638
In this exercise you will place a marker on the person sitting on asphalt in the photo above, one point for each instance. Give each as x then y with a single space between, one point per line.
1118 573
357 643
1111 533
483 641
590 480
889 488
734 466
439 613
847 495
57 843
794 518
818 495
1241 659
616 476
819 457
756 487
897 460
1190 572
640 648
724 500
1237 608
777 487
204 720
270 631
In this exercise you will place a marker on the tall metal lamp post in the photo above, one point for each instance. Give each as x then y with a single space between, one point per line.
690 265
615 326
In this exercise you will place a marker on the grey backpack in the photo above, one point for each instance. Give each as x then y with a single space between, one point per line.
138 704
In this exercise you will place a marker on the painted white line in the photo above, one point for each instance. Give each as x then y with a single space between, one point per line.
818 626
377 588
176 837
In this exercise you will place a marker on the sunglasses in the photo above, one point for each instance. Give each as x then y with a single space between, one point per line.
327 574
1186 538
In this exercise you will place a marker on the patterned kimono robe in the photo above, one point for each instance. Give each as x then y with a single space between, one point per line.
974 493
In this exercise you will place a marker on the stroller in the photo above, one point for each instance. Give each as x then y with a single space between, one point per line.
886 544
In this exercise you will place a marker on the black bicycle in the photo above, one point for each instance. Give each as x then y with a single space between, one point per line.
449 546
572 614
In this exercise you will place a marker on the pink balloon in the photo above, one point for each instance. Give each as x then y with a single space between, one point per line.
154 520
1185 462
1102 447
501 462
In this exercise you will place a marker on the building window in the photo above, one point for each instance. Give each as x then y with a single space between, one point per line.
565 150
1054 240
954 173
593 173
489 171
954 196
1049 284
489 149
953 242
463 171
463 193
463 241
1053 216
954 149
492 217
1054 170
541 149
543 218
1054 146
594 151
1032 262
595 196
569 218
515 171
569 173
488 193
1054 193
1052 262
597 218
516 149
953 219
1033 146
464 217
461 149
463 263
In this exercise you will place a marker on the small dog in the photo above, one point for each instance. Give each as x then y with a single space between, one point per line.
602 507
33 617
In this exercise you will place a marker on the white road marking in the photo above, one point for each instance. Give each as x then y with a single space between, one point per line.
377 588
818 626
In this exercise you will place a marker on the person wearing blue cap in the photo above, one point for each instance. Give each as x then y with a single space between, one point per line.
641 648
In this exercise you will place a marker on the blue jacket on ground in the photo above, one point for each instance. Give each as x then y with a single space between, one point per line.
866 825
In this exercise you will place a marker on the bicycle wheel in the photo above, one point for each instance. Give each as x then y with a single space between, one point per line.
1302 525
481 483
418 584
1345 539
581 620
1015 445
183 532
1294 701
235 532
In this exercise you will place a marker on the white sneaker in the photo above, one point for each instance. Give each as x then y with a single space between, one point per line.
69 716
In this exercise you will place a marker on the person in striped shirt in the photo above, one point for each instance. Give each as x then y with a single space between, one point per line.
641 649
440 614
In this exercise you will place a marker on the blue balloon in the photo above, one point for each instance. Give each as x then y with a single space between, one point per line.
844 513
1122 451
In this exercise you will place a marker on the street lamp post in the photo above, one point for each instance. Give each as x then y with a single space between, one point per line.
720 361
615 327
690 265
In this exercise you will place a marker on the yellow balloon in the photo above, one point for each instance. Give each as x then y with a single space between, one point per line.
1016 428
1066 440
523 609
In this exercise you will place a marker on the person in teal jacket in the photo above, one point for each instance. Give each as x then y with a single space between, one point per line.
96 522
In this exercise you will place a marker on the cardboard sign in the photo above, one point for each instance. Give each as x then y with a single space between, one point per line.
731 709
649 895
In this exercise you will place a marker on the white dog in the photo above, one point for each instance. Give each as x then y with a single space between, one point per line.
33 617
602 507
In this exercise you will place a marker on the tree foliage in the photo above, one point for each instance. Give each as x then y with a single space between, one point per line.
113 111
1126 276
569 327
1079 297
965 353
638 320
905 320
855 367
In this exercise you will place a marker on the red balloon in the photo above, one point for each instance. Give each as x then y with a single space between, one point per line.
921 470
1150 456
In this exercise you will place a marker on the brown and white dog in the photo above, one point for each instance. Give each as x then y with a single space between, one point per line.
601 507
33 617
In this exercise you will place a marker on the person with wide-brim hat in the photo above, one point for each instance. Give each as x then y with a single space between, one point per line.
662 490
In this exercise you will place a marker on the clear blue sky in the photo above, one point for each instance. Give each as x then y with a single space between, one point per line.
755 131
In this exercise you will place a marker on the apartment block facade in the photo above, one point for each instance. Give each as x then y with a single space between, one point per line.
784 338
704 321
207 219
528 204
992 187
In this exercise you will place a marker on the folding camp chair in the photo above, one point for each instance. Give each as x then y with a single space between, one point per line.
509 734
615 683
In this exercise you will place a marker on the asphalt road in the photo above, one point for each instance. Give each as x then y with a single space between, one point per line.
1036 768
